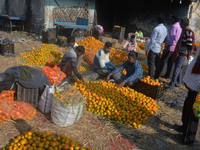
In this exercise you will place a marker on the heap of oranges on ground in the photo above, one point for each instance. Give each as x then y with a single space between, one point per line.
41 55
150 81
34 140
124 105
92 46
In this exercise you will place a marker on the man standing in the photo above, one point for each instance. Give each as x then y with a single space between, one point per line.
175 34
186 47
134 72
158 36
71 61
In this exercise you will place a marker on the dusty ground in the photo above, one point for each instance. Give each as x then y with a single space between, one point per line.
156 134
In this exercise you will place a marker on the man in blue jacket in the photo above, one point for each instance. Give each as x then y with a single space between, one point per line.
102 64
134 72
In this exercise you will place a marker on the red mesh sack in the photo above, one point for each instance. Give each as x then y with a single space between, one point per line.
16 110
55 75
9 95
89 57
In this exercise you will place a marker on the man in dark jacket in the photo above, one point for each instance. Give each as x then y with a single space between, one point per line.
71 61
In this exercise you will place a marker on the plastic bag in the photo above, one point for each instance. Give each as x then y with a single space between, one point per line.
55 75
65 115
139 33
16 110
196 106
190 59
89 57
46 98
9 95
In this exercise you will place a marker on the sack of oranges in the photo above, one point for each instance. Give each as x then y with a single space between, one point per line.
55 75
16 110
9 95
89 57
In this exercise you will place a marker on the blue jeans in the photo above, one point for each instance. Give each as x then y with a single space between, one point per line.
120 77
177 75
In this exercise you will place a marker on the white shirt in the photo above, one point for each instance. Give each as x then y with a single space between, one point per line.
192 80
158 36
75 45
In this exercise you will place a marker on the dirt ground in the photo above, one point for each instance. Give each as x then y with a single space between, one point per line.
156 134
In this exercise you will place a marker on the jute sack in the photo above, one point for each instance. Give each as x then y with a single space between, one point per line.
46 98
65 115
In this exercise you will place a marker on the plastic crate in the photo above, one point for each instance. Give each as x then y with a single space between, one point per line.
30 96
48 34
49 40
7 49
62 41
154 92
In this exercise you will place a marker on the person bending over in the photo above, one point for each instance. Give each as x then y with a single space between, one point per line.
134 72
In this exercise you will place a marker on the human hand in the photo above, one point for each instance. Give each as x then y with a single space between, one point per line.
121 84
188 57
147 52
108 78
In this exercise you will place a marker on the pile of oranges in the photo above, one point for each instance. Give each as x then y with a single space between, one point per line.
118 56
41 55
91 43
140 46
124 105
197 45
92 46
34 140
150 81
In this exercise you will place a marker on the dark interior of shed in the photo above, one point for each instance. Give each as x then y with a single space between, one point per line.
125 13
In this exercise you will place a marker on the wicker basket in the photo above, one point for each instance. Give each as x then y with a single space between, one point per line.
30 96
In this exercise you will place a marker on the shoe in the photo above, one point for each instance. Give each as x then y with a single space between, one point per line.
178 128
179 138
169 89
165 77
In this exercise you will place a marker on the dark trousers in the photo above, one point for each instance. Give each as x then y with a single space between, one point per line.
153 58
103 72
190 122
166 57
177 75
120 77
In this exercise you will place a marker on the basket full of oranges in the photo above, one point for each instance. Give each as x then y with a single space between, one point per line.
150 87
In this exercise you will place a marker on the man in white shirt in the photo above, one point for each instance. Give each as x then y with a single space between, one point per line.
102 64
158 36
190 122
